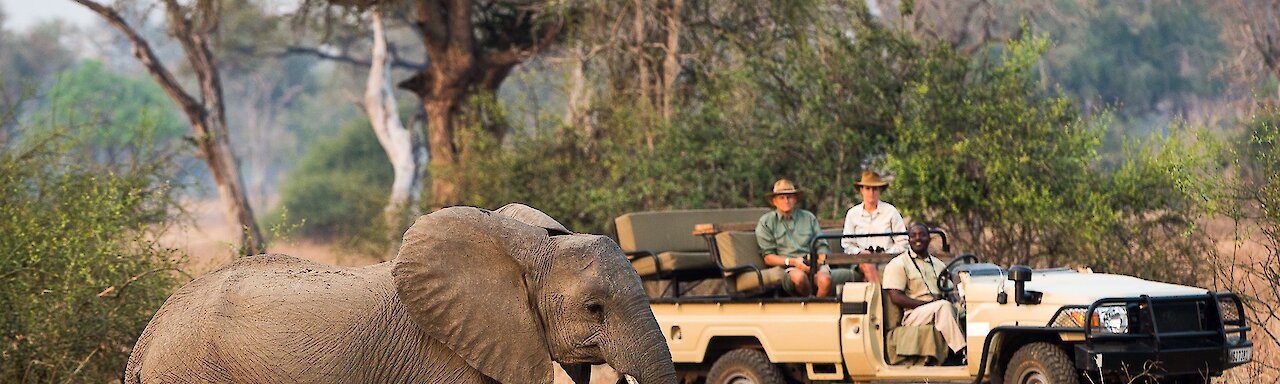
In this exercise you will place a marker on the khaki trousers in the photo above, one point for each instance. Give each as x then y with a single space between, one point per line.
943 317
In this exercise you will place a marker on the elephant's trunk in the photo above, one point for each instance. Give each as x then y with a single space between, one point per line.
638 347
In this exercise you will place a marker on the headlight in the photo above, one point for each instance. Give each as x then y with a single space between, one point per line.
1109 319
1112 319
1072 317
1230 314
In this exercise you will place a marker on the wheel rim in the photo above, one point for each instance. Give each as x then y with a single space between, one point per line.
1033 377
739 378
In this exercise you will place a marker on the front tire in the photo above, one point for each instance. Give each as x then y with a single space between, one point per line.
1040 363
744 366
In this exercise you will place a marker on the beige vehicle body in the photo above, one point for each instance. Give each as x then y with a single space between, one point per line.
844 339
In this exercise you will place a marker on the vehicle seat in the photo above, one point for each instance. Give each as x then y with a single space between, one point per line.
667 236
739 248
910 345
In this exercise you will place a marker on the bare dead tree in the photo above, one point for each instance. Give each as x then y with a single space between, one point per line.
396 140
192 26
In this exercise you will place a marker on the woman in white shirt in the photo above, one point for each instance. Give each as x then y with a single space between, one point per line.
873 216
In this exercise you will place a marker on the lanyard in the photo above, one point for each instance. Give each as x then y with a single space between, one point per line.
924 280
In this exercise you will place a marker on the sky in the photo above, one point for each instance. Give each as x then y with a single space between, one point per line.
24 13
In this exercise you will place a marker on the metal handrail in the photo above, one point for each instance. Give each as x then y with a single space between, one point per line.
812 258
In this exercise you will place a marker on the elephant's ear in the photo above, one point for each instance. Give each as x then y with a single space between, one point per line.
462 276
532 216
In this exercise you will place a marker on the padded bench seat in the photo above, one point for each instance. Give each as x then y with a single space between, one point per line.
739 248
669 235
672 261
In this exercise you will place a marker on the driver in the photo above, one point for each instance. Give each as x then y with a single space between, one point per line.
911 280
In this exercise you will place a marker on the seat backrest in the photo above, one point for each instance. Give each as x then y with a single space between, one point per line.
834 244
892 312
661 231
737 248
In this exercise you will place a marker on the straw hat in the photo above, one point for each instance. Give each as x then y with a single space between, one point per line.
871 179
784 187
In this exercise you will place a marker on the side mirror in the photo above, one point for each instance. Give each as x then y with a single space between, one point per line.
1021 274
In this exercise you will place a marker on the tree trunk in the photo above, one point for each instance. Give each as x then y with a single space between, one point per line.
192 27
396 140
461 65
671 65
444 154
235 204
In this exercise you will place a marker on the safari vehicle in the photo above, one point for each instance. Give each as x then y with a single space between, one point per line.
1022 325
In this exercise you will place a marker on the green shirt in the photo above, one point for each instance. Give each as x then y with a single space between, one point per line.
788 237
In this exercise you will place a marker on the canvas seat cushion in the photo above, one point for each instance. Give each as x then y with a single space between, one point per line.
673 261
738 248
661 231
773 277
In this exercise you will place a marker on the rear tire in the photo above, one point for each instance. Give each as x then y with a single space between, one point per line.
1040 363
744 366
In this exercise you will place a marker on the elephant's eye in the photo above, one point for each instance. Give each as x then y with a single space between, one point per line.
596 309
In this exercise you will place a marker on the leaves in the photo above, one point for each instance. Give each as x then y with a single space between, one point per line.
68 231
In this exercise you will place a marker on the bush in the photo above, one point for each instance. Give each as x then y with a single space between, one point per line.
339 188
80 271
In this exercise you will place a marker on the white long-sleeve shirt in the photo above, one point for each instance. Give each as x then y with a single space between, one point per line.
885 218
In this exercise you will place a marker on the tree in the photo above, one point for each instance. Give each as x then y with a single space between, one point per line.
261 89
396 140
472 47
29 62
1258 30
115 113
193 26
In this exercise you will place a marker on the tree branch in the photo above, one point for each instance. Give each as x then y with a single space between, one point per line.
148 58
431 22
309 51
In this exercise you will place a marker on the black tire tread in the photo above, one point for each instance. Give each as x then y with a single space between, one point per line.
750 359
1057 367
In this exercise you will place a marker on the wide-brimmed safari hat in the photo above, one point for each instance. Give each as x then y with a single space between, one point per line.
871 179
784 187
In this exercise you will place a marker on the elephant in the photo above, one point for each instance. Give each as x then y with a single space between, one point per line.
473 296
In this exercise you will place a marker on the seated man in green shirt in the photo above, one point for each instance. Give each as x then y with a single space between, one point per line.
783 236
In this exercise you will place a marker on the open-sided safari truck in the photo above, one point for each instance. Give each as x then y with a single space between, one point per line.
1022 325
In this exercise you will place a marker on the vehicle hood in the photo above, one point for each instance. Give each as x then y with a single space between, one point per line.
1072 288
1084 288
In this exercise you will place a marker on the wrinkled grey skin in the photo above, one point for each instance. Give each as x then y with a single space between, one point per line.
473 297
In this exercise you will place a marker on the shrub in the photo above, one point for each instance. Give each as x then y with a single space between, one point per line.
339 188
80 271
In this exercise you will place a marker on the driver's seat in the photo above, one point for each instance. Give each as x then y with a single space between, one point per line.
910 345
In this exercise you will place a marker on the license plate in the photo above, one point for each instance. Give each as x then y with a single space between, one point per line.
1240 355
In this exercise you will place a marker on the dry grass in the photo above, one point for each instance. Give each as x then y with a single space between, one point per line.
209 242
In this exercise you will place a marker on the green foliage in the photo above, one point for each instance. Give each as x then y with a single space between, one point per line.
80 271
340 186
1014 174
982 146
1139 55
976 145
113 113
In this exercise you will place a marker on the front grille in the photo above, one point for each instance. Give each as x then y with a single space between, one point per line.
1187 316
1174 316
